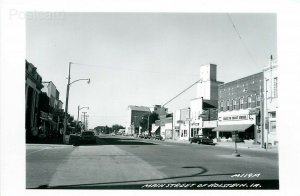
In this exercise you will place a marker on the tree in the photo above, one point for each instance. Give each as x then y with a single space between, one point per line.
116 127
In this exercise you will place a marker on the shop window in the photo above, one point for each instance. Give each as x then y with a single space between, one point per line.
185 133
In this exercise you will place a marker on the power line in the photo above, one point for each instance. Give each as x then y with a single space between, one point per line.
242 41
182 92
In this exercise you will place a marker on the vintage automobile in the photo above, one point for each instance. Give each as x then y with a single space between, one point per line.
88 136
201 139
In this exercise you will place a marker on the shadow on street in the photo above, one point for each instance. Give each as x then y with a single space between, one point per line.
116 141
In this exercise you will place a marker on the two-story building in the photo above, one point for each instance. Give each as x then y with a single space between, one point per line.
240 108
33 86
134 116
271 102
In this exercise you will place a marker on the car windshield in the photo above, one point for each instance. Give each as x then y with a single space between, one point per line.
87 133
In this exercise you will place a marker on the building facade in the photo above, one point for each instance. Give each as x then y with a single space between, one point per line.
240 109
206 100
165 124
181 124
271 102
51 116
33 86
134 116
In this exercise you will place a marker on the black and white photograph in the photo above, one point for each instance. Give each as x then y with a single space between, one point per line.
151 101
99 100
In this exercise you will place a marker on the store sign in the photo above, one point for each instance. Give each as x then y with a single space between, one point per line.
254 111
240 117
209 124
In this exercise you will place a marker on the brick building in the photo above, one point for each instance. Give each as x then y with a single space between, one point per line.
240 108
135 115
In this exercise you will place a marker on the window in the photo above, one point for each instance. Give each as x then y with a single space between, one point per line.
275 87
231 104
249 102
185 133
241 103
222 105
272 114
257 100
234 104
227 105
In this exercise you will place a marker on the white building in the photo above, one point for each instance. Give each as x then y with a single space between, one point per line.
270 102
181 124
207 94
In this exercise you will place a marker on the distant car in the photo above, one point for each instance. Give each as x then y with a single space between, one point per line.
141 136
113 134
147 137
200 139
158 137
88 136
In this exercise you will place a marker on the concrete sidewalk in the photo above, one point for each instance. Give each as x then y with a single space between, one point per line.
273 149
242 145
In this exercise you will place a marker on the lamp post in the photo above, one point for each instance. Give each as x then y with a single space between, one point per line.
78 109
67 100
84 120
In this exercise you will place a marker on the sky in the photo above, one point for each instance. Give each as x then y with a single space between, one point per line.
143 58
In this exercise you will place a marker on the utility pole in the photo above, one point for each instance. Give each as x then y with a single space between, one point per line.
66 106
87 122
84 120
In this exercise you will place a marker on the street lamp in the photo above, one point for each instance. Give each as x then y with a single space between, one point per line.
80 108
67 99
84 116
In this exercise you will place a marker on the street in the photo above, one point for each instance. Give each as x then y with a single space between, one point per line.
119 162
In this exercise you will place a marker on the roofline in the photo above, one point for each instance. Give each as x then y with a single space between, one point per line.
241 78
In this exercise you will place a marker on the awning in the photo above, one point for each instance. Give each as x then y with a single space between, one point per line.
155 128
229 128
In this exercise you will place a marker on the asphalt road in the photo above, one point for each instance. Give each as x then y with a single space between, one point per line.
118 162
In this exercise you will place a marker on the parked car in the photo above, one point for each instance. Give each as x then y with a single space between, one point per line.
200 139
158 137
141 136
88 136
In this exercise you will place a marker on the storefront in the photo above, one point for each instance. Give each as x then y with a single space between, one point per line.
243 121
